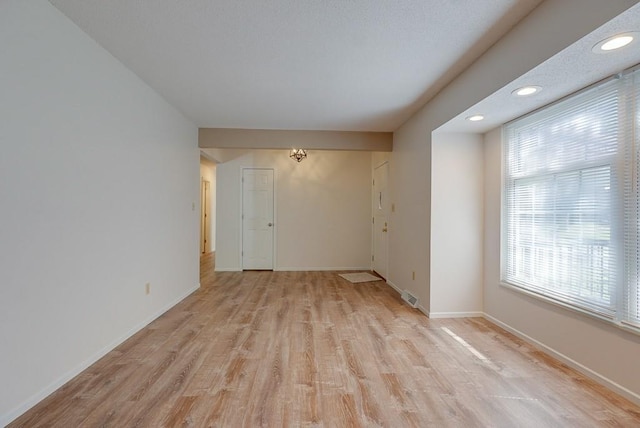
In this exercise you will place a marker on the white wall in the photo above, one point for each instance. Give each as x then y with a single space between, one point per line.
208 173
456 225
595 347
323 209
97 180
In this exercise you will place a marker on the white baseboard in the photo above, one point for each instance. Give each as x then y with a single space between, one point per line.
318 269
395 287
435 315
300 269
52 387
424 310
630 395
419 307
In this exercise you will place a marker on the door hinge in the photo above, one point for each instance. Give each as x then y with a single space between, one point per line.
372 257
373 220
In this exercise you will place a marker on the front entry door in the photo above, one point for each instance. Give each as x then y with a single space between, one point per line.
257 219
380 218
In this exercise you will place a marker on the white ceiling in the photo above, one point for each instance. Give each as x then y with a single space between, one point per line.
357 65
572 69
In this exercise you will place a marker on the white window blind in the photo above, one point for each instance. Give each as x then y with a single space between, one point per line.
630 290
571 223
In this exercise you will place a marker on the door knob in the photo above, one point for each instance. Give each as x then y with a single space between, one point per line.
270 224
384 230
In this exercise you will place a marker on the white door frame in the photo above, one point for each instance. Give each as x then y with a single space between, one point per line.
205 224
275 211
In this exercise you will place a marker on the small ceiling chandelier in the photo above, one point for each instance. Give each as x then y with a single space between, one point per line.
298 154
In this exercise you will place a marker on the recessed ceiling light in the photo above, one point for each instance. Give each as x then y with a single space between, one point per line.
526 90
615 42
475 117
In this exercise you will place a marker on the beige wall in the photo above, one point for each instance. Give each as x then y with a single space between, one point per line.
409 231
322 204
224 138
456 225
601 350
378 158
523 48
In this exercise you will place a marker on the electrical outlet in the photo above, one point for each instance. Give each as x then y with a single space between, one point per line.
147 288
413 275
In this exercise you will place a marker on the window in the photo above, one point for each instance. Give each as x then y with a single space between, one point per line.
571 201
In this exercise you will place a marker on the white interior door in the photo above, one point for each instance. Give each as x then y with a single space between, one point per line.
380 219
257 219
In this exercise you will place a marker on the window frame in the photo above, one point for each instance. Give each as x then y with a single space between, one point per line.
620 318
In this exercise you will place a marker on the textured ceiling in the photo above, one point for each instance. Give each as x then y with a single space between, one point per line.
360 65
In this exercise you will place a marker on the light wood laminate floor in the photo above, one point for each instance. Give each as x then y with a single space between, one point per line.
297 349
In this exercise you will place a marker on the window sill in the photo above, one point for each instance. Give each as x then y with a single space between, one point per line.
558 303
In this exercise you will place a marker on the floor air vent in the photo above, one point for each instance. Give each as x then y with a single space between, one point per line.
410 299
